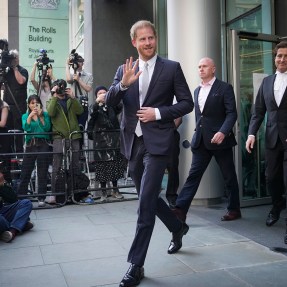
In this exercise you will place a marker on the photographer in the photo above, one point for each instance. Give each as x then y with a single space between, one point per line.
16 78
63 109
81 82
45 79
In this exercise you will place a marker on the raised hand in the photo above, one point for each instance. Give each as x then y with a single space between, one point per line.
129 72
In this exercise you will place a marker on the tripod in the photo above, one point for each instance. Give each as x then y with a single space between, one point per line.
42 74
4 82
82 119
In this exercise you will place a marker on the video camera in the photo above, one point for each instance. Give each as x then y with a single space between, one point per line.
43 59
62 85
6 58
75 59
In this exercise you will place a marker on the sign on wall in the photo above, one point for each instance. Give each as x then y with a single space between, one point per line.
44 24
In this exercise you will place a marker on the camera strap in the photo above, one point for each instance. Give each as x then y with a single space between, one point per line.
77 87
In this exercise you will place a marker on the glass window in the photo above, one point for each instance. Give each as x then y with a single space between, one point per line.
250 22
236 8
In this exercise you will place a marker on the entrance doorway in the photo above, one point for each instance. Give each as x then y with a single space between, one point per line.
251 57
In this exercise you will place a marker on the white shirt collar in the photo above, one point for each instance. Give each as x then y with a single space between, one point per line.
277 72
210 83
150 62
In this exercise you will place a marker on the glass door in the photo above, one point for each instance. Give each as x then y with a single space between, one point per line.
251 59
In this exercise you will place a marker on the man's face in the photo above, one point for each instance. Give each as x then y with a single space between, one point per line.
281 60
80 65
206 69
145 43
15 62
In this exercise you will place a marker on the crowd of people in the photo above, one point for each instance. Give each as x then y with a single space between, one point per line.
149 95
53 120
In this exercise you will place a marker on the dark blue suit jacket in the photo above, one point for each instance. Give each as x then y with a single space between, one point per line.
276 124
219 115
167 81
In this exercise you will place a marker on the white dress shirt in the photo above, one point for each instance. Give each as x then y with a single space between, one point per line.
203 92
280 85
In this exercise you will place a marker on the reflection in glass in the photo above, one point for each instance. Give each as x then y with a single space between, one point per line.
237 8
256 61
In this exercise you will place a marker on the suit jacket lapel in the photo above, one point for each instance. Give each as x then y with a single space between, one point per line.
284 97
196 105
213 91
271 87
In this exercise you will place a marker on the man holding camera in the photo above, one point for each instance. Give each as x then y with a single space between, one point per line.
64 109
81 82
15 95
43 86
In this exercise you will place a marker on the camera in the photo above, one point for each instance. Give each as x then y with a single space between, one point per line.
75 59
62 85
43 59
6 58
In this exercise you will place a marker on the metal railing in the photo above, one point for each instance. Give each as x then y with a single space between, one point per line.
66 188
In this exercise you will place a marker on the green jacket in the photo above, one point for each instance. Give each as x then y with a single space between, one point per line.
62 124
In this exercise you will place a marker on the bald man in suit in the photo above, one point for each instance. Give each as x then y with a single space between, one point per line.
215 113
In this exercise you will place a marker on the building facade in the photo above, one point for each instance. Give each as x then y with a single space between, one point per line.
238 34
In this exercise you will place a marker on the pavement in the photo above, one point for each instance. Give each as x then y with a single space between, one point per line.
87 246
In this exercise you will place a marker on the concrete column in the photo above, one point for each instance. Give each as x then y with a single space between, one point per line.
88 44
194 31
4 19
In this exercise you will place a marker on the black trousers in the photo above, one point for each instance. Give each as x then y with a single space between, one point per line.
172 168
276 171
28 165
147 172
200 161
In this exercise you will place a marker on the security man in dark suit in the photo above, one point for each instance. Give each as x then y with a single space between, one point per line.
147 88
272 100
215 112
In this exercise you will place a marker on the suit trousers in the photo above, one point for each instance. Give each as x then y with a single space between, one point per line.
172 168
200 160
147 172
276 171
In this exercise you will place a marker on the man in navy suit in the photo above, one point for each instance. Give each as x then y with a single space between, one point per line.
272 100
147 131
215 113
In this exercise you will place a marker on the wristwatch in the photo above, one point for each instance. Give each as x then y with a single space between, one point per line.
123 87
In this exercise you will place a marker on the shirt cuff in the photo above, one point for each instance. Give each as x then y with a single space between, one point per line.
157 114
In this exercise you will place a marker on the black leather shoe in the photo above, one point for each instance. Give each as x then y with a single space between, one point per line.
274 213
176 242
133 276
272 217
